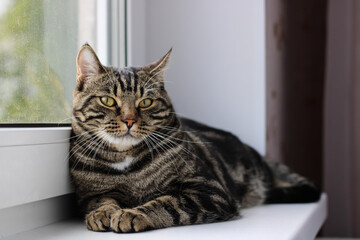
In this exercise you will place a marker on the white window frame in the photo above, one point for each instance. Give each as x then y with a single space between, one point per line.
34 176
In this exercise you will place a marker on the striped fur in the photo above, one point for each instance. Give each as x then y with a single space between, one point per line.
169 171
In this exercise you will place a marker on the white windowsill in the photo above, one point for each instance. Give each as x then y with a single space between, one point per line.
34 161
278 222
33 136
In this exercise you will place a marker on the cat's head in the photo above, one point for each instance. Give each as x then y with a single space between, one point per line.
120 106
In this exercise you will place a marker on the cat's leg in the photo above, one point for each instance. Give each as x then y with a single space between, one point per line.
99 213
192 206
290 187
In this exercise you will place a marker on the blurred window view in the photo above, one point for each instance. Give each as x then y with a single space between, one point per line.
39 40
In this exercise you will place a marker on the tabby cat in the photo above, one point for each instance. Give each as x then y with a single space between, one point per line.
137 166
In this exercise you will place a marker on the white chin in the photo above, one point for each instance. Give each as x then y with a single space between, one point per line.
123 142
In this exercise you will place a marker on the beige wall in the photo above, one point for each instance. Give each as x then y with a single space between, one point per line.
222 50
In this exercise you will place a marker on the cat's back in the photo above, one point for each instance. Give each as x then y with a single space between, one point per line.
219 142
215 137
238 167
205 131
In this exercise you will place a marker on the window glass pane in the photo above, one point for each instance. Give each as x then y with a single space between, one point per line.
39 40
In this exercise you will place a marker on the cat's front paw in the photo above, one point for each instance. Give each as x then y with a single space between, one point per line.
99 219
130 220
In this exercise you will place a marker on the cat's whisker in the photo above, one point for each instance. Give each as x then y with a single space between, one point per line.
84 133
157 142
164 150
88 142
79 136
176 144
179 145
182 140
173 129
78 144
85 146
89 150
159 145
173 144
72 118
76 136
107 139
171 148
80 154
101 143
153 146
148 146
105 142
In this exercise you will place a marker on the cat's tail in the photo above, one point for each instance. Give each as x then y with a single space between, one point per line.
290 187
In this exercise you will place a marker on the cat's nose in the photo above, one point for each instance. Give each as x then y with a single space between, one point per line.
129 122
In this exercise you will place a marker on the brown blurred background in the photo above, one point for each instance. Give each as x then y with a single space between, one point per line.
313 100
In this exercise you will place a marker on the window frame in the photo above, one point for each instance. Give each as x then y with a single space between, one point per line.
47 144
111 42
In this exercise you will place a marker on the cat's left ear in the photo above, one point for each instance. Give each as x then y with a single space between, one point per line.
158 68
88 64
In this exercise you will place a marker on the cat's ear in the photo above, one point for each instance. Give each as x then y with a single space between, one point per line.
159 67
88 64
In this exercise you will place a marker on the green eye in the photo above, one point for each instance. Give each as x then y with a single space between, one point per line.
107 101
145 103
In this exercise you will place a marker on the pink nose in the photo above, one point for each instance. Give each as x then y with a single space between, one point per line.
129 122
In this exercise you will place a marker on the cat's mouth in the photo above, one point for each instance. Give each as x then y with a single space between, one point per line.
124 140
127 135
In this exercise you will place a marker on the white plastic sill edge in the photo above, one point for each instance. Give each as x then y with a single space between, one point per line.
270 222
33 136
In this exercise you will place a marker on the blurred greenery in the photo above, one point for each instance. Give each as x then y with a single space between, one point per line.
30 91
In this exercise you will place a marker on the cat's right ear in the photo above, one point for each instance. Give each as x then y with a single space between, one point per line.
88 64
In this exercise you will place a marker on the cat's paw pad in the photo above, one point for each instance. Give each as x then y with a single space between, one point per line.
130 220
99 219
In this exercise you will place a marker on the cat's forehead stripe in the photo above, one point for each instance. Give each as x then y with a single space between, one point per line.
128 82
135 80
118 78
115 89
